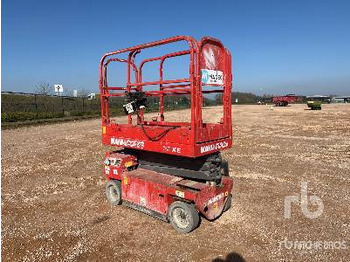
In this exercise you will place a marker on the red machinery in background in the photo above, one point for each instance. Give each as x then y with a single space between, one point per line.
284 100
171 170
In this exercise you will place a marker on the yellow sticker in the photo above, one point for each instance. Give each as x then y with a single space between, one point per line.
128 164
180 193
103 129
215 205
125 179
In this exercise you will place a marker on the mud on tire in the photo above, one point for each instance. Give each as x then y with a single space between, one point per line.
114 192
183 216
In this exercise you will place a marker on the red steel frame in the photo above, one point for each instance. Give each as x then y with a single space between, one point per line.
178 138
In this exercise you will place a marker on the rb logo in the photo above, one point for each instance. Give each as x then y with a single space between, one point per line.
303 203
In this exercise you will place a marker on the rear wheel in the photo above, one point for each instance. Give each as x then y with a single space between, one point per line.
114 192
183 217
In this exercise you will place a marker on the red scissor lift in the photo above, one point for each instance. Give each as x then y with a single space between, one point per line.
170 170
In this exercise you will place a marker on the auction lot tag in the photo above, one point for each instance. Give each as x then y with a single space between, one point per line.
212 77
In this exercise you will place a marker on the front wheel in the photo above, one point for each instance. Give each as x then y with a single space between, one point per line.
183 217
228 203
114 192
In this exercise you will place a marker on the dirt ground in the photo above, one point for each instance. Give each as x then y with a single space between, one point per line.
54 208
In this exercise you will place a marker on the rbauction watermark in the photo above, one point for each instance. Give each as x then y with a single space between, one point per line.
303 201
312 245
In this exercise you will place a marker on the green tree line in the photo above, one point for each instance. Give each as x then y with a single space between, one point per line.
22 107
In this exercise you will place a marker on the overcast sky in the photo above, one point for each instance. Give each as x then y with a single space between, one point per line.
278 47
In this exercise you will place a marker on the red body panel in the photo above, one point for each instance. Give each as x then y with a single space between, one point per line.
211 200
192 139
157 191
142 188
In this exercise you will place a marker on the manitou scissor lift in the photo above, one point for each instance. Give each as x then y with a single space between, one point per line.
170 170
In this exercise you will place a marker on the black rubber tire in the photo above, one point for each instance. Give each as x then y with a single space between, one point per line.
225 171
114 192
192 217
228 203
